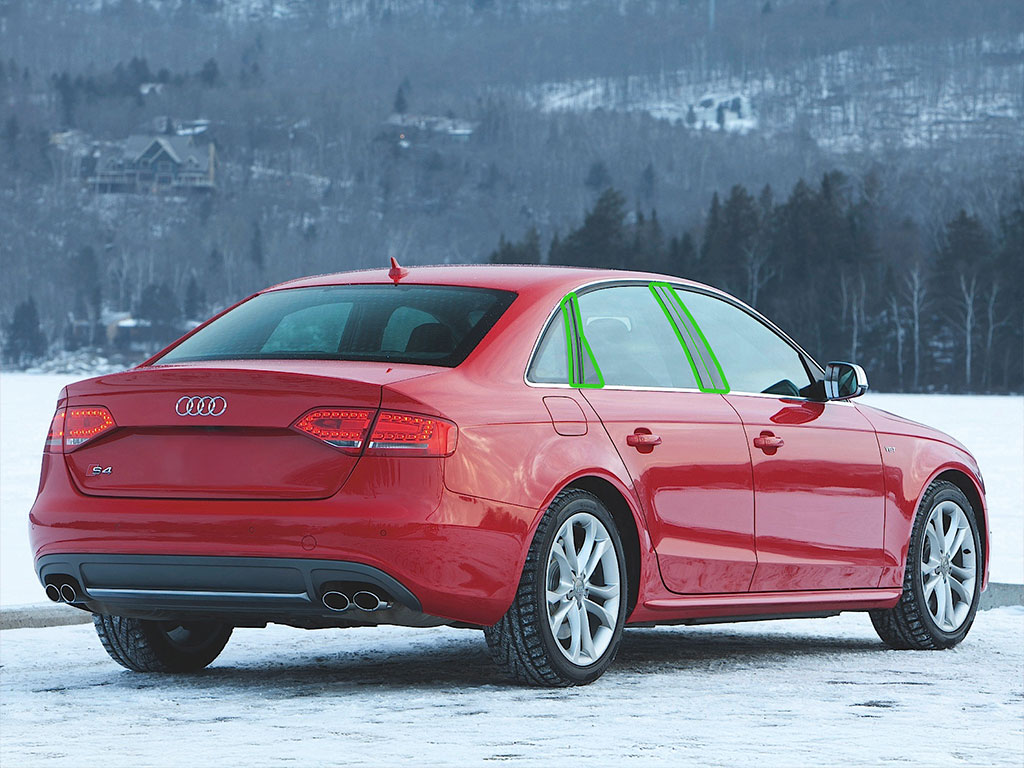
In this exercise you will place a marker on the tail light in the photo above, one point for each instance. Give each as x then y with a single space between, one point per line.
410 434
73 427
394 433
55 437
343 428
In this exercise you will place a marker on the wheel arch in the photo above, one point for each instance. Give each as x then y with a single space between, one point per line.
625 520
967 485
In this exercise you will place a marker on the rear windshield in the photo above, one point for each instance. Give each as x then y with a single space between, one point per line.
426 324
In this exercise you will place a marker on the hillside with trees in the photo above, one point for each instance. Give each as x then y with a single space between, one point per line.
852 168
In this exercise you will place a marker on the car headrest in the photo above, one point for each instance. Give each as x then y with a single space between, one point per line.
430 338
609 330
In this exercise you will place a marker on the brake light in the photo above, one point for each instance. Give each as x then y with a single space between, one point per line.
85 423
410 434
72 427
343 428
55 437
394 433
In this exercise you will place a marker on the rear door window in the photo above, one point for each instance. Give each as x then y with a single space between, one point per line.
632 341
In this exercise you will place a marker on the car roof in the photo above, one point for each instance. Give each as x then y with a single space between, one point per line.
510 277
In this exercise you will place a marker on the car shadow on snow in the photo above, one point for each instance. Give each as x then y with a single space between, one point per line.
463 662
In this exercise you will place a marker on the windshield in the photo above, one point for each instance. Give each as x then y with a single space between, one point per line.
426 324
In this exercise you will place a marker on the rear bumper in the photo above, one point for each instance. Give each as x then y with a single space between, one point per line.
237 590
458 555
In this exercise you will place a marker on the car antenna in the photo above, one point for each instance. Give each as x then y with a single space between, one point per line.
397 272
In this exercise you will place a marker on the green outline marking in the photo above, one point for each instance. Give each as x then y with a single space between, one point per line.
571 367
678 333
574 306
696 325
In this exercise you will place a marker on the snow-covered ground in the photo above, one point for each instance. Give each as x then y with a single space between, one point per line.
991 427
819 692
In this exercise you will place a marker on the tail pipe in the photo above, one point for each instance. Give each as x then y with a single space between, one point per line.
370 601
53 592
336 601
68 593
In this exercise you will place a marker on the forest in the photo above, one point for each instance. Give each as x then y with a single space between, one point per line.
852 168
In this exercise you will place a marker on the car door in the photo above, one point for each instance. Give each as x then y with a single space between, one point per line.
685 449
818 486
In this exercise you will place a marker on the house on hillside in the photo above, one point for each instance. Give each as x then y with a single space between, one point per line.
407 129
154 164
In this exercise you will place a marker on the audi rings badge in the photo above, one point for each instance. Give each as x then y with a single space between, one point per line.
200 405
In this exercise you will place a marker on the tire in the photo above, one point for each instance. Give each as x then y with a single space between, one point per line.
523 643
913 624
142 645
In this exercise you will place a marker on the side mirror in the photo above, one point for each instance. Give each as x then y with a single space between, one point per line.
844 381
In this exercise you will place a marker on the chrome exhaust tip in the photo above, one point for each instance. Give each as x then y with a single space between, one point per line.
336 601
369 601
68 593
53 592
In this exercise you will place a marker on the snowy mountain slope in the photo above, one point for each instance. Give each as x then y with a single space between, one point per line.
853 100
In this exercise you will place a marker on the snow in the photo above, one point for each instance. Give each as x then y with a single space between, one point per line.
811 692
860 99
990 426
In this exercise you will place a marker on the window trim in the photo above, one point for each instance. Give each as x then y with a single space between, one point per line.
814 369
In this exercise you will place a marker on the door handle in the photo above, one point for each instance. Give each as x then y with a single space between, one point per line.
768 442
643 440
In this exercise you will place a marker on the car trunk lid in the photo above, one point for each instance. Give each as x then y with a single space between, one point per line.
223 431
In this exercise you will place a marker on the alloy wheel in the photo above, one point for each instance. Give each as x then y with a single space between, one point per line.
949 566
583 589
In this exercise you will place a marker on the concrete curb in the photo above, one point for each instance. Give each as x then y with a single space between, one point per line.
42 615
1001 595
53 615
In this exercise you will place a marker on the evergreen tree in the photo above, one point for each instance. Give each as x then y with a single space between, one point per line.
712 249
209 75
1005 300
89 289
600 242
962 262
598 179
24 341
158 306
256 245
68 97
195 300
648 181
11 132
525 252
740 230
401 105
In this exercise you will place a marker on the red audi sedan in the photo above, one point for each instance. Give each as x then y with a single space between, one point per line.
547 454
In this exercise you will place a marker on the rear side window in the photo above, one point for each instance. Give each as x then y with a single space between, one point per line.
426 324
551 362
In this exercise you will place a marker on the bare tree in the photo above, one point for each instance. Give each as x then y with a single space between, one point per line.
898 333
968 296
916 288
